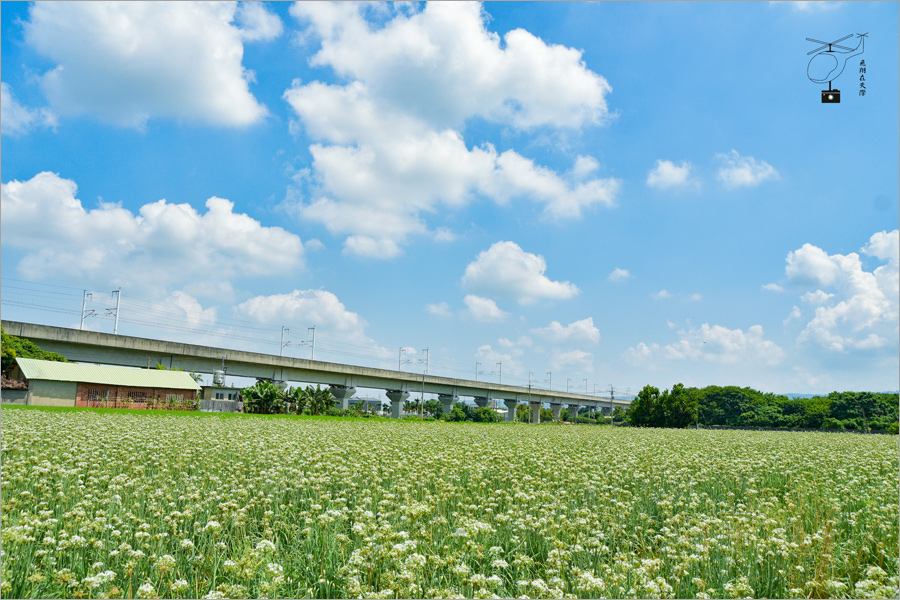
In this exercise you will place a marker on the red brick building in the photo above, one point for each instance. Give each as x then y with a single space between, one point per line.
72 384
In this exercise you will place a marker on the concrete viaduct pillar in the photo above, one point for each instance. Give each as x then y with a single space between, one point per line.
556 408
536 411
573 412
396 397
448 401
511 406
343 394
481 401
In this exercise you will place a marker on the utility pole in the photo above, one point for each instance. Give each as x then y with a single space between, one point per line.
311 344
590 408
499 373
90 313
476 370
612 393
567 384
550 380
283 331
424 375
118 294
400 361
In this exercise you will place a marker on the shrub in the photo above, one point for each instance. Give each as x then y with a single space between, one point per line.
832 423
892 428
485 415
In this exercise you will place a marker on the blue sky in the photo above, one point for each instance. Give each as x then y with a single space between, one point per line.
600 193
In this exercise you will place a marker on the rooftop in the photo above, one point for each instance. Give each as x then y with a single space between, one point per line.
105 375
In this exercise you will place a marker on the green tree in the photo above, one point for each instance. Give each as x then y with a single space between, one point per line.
644 408
16 347
263 398
434 408
484 414
679 407
676 409
863 406
460 412
523 413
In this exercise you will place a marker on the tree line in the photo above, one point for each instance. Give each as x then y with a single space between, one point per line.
734 406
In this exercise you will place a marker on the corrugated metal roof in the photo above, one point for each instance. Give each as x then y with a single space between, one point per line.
105 374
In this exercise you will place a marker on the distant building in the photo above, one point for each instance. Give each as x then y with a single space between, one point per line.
221 399
212 392
73 384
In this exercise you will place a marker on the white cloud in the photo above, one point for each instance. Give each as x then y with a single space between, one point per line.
128 62
811 265
380 169
577 361
861 311
668 175
817 297
490 357
578 331
808 6
305 308
517 176
523 342
313 245
390 144
506 270
773 287
191 310
711 343
796 313
483 309
444 235
441 309
363 245
619 275
661 295
256 23
443 66
744 171
584 166
695 297
163 245
19 120
884 245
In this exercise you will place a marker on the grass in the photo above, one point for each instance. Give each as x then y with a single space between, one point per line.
118 503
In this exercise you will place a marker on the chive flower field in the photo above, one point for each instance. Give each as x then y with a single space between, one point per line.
107 504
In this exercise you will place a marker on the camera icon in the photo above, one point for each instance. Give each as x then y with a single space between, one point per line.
831 96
